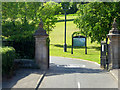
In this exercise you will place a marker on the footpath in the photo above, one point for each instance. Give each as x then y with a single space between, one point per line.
24 78
116 74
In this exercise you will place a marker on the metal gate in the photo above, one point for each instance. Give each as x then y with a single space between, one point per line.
105 62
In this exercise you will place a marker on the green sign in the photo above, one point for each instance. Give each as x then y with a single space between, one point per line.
78 41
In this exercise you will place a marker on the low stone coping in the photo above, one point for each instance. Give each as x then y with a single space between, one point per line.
115 73
25 63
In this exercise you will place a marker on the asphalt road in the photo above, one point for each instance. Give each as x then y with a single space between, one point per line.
75 73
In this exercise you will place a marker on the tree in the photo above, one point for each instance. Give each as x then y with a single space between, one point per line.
47 13
20 19
71 7
95 19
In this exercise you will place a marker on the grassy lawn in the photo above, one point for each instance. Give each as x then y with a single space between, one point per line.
57 42
69 16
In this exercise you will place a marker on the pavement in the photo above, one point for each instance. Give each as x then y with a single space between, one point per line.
116 74
24 78
64 73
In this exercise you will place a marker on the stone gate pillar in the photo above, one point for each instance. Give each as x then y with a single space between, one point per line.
114 47
41 48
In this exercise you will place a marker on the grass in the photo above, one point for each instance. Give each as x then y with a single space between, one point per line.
69 16
57 42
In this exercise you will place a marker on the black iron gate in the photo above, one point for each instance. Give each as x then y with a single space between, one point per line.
105 55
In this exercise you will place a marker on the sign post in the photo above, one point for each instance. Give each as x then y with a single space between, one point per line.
79 40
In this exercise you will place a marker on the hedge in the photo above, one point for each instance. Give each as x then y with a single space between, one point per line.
24 49
8 56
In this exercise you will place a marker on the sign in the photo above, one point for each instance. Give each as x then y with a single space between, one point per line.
78 41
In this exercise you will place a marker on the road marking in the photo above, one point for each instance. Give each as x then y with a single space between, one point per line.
78 85
74 66
83 65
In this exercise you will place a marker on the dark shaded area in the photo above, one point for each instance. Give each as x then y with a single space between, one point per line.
24 49
95 47
77 47
70 9
66 20
25 63
61 46
68 46
64 69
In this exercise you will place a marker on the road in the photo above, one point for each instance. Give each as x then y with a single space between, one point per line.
75 73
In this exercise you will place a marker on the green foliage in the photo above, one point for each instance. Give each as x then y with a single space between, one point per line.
95 19
73 9
70 6
20 11
76 33
47 13
21 19
57 43
8 56
19 32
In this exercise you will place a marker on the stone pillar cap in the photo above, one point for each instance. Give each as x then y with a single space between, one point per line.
114 28
40 31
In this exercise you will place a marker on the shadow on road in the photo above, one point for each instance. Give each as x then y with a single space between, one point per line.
64 69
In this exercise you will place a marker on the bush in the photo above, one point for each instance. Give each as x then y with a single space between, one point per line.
24 49
8 56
